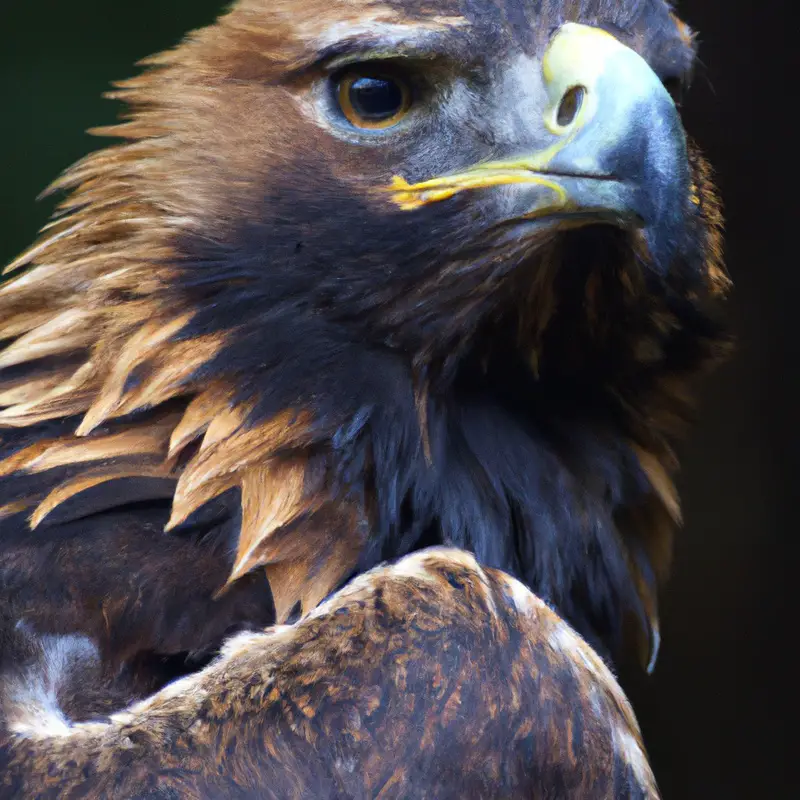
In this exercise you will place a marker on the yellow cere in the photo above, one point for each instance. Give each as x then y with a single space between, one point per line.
577 57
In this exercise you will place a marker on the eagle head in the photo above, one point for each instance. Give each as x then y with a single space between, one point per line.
366 276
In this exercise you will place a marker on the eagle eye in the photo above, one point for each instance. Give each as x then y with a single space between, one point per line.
372 100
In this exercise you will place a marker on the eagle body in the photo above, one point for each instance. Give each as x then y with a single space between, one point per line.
360 279
429 678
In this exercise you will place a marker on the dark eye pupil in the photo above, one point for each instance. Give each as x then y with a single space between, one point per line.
375 98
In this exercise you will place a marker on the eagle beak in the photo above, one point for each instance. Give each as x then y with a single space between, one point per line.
617 151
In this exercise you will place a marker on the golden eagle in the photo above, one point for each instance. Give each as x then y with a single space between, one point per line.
361 279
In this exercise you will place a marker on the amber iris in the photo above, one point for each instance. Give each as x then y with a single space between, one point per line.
373 101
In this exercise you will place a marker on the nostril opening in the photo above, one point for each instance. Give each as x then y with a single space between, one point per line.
570 105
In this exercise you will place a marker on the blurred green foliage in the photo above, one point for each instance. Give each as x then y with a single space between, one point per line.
57 57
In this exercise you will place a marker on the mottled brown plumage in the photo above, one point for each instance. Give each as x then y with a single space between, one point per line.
432 678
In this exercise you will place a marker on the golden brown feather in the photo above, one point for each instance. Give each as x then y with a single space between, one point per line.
432 677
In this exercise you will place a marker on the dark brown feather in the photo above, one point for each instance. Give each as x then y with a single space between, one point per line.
432 678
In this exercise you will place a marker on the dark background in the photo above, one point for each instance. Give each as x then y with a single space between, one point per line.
716 713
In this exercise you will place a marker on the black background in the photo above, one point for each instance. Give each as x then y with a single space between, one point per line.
716 713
